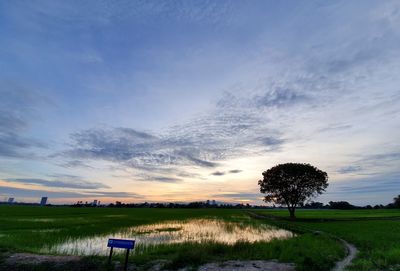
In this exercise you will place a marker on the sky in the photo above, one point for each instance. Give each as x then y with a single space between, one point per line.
177 101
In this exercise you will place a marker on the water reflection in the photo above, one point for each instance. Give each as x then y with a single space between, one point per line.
172 232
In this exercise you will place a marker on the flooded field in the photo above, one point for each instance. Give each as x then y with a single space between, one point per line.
173 232
181 237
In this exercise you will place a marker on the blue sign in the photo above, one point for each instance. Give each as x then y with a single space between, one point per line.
121 243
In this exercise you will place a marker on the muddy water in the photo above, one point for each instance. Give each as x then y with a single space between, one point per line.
172 232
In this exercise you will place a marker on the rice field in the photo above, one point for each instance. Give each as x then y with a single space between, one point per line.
191 237
376 233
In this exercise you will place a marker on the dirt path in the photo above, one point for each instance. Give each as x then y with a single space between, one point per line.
351 254
29 258
247 266
235 265
18 260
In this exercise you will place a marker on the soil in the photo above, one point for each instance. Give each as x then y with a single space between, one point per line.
247 266
28 258
351 254
18 260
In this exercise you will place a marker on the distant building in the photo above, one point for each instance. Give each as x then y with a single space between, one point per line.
10 200
43 201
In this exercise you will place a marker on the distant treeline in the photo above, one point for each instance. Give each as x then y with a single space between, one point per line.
344 205
196 204
338 205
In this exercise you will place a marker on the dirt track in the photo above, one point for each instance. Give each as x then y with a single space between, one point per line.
351 254
247 266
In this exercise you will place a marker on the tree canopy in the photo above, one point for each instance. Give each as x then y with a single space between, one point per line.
396 202
291 184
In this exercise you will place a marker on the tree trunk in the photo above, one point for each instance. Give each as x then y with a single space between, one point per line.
291 212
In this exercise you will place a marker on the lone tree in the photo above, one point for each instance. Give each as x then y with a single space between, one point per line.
291 184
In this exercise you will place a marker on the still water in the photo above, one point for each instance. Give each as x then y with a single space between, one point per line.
173 232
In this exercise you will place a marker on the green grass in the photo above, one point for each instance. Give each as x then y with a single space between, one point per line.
321 252
377 237
337 214
29 228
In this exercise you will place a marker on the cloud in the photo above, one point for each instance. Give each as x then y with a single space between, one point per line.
228 131
271 144
68 182
222 173
378 183
198 161
75 163
360 57
17 109
184 174
335 127
218 173
349 169
64 176
374 163
201 142
167 179
14 145
32 193
377 189
119 144
134 148
281 97
11 122
390 156
239 196
206 12
161 179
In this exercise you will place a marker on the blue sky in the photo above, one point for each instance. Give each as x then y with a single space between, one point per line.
192 100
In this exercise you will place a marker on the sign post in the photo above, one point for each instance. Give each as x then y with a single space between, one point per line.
120 243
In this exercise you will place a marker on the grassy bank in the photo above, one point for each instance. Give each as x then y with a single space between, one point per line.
336 214
376 233
28 229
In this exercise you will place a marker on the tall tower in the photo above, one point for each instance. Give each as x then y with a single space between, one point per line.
43 201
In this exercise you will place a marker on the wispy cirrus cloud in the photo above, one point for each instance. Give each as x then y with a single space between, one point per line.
222 173
37 193
66 182
15 146
349 169
281 97
238 196
202 142
374 189
134 148
155 178
207 12
74 164
372 163
17 111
